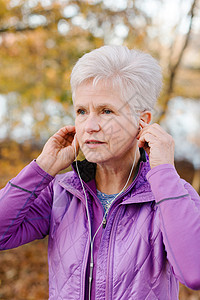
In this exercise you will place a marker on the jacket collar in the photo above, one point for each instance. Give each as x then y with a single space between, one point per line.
88 170
138 191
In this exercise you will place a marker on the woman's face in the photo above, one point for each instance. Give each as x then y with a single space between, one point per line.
105 127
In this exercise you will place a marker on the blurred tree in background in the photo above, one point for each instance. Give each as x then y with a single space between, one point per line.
40 41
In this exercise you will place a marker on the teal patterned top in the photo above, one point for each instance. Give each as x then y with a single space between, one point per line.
105 199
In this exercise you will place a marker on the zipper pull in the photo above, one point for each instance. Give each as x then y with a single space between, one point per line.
104 222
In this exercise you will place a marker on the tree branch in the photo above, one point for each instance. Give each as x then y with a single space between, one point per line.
174 67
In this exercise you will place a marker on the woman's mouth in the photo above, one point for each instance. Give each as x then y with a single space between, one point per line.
93 143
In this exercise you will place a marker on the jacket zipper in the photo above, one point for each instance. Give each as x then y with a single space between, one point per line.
117 199
104 222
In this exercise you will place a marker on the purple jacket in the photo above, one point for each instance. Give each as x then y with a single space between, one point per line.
151 240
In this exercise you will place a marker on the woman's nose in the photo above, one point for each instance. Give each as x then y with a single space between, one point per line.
92 124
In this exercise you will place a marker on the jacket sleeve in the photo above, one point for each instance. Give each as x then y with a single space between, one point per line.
179 211
25 207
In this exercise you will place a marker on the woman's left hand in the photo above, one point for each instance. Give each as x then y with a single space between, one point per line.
158 144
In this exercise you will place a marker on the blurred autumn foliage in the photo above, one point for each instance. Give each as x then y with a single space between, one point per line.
13 157
40 40
24 272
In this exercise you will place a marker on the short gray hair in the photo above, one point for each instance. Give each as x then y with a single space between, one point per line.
137 74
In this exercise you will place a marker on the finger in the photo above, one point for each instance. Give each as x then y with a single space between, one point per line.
146 138
70 129
143 128
142 142
155 129
147 130
65 134
145 142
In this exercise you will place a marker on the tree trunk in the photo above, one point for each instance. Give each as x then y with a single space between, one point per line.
174 66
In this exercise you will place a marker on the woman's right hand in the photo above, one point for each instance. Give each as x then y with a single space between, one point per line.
59 151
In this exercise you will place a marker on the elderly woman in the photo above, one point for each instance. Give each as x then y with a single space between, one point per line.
121 225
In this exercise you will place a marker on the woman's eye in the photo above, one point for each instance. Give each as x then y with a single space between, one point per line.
80 112
107 111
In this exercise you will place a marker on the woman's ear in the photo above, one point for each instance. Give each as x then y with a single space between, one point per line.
146 116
